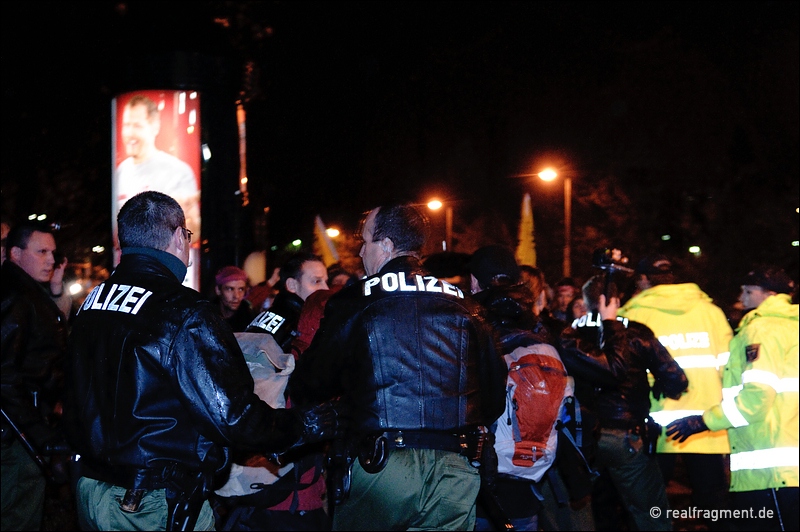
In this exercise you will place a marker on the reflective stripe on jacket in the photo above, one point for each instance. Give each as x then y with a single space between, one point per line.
696 334
760 396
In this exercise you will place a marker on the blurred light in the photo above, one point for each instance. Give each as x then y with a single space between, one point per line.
192 117
181 103
193 95
98 249
795 243
75 288
548 174
665 237
297 243
434 205
243 180
190 130
332 232
41 217
274 248
31 217
206 152
695 250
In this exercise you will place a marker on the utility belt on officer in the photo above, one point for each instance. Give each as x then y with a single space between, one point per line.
638 434
374 449
185 489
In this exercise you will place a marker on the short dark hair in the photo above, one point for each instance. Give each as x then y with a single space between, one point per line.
141 99
292 267
405 225
594 288
20 234
148 220
537 282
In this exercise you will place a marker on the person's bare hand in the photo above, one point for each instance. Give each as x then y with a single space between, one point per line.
608 311
58 276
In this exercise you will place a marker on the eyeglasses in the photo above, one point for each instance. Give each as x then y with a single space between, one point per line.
187 234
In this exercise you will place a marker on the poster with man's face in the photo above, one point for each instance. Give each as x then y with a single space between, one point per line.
156 146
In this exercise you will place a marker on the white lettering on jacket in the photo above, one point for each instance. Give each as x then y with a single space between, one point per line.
394 282
121 298
591 319
691 340
269 321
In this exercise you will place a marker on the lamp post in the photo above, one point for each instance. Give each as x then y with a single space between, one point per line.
549 174
435 205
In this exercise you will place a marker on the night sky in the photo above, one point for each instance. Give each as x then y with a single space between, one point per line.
677 117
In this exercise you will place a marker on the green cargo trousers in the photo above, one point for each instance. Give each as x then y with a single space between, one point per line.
23 488
98 509
419 489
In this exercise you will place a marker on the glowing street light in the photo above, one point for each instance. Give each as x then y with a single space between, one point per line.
548 174
435 205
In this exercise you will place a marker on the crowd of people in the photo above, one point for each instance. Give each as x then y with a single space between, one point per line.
394 384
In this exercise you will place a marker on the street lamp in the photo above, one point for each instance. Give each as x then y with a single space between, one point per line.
548 174
435 205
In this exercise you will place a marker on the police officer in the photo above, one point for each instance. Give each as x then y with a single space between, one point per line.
610 359
759 406
159 391
696 333
301 275
34 339
420 369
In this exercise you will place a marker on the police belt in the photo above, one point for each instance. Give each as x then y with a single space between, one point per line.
132 478
466 443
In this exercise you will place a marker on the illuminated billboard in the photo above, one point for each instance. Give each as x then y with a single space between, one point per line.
156 146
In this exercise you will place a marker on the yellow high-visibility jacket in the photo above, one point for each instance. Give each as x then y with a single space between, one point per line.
759 405
696 333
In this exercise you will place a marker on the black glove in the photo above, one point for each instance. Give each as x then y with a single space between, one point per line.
681 429
658 391
322 422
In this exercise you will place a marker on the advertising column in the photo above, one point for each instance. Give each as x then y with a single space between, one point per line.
156 146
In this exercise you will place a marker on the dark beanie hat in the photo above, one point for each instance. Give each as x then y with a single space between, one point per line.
770 278
494 263
654 264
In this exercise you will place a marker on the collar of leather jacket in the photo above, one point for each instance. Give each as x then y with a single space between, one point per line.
175 265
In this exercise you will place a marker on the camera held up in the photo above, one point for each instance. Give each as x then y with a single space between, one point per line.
613 264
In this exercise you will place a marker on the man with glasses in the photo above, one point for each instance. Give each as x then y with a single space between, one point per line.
158 390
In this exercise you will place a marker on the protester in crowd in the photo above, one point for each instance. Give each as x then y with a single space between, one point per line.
576 308
231 289
696 333
34 337
301 275
158 392
495 281
566 290
533 277
759 407
610 360
339 276
414 433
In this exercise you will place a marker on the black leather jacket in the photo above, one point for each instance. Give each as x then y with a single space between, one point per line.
407 351
157 377
509 311
610 363
34 340
280 319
